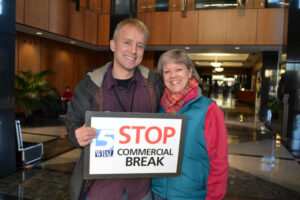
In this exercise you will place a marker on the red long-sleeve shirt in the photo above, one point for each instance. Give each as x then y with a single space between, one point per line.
68 95
215 135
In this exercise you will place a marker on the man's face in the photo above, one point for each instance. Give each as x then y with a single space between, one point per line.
128 48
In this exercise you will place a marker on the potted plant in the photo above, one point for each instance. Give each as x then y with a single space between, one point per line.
273 109
33 91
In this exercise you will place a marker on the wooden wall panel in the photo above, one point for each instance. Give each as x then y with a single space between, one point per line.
270 25
258 3
245 4
105 7
184 29
85 60
150 5
190 4
145 6
102 58
212 27
95 6
81 64
159 24
47 62
47 52
285 26
249 3
69 63
173 5
92 56
91 22
29 53
82 3
37 13
58 57
103 30
64 67
59 17
76 22
148 59
241 29
141 6
20 8
141 17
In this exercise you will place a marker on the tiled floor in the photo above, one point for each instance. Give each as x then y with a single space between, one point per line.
261 168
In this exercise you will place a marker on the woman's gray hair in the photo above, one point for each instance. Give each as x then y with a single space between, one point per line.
177 56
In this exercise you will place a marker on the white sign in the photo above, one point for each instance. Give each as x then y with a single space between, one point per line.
134 145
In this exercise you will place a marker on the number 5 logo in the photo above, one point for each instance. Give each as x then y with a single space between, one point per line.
105 139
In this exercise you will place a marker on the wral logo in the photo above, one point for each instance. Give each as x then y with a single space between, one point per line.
104 143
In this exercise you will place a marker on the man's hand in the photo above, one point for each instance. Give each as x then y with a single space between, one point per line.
84 135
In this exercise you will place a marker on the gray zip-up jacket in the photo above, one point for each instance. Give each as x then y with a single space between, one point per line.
88 96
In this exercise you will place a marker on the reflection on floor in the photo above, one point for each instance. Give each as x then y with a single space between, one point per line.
261 168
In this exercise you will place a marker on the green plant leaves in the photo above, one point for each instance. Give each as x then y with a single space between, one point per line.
32 90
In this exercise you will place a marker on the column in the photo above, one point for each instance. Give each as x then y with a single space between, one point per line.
270 81
292 78
7 115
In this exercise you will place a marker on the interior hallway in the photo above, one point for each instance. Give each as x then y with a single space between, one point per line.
261 168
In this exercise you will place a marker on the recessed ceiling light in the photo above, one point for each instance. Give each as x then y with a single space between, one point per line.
186 48
237 48
39 33
72 42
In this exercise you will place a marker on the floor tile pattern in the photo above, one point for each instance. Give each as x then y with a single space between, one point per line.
261 167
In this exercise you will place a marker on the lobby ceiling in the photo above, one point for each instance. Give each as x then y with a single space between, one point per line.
232 60
244 56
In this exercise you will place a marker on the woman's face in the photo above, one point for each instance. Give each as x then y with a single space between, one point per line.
176 76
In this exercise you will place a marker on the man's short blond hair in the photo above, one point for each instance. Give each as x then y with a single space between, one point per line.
134 22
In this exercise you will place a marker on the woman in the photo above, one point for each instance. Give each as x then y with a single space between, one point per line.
205 162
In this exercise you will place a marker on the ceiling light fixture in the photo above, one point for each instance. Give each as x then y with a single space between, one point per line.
72 42
216 63
219 69
39 33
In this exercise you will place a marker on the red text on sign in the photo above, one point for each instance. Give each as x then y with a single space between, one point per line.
152 134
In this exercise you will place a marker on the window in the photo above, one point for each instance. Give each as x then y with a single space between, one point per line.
162 5
215 4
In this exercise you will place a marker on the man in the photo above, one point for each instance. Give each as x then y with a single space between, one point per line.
66 97
120 86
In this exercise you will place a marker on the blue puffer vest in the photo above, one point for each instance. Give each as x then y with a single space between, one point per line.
191 185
